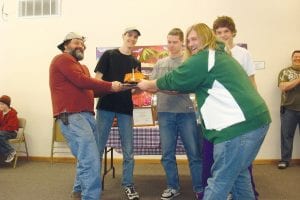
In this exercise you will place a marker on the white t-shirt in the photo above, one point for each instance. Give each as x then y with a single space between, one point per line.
242 55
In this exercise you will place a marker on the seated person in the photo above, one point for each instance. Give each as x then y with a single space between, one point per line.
9 125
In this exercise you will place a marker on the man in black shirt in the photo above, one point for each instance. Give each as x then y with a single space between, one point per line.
113 65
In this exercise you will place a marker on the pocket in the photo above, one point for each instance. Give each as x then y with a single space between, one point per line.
12 135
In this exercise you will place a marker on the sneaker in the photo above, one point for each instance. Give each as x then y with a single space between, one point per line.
282 165
199 195
131 193
76 195
10 157
229 197
169 193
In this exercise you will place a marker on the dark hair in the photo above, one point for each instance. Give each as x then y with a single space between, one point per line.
177 32
296 51
224 21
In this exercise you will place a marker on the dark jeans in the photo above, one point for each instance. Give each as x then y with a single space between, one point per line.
5 147
289 121
183 125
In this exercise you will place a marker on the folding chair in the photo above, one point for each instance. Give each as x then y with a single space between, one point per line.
19 140
57 136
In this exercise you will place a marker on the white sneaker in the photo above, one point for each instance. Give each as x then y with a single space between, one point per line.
229 197
169 193
10 157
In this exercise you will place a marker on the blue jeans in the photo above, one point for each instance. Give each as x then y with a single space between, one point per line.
290 119
81 136
104 121
5 147
230 169
208 161
172 125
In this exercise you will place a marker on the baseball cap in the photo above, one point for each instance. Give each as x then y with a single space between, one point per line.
70 36
132 28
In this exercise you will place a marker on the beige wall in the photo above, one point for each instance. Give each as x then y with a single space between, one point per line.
271 28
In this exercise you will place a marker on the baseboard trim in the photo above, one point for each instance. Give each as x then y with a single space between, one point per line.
273 161
143 161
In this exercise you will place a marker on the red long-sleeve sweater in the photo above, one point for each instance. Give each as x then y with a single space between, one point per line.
72 87
9 121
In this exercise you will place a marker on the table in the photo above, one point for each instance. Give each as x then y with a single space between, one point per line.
145 142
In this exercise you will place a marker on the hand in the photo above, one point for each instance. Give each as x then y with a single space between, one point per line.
116 86
149 86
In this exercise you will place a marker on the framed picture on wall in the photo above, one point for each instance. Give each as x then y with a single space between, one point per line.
143 116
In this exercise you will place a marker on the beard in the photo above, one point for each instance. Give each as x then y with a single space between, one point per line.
77 53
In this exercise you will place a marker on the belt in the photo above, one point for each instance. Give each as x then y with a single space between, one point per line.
64 114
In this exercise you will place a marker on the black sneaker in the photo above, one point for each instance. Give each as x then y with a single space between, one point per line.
282 165
131 193
169 193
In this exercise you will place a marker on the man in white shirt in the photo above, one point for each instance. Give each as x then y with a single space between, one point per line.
225 30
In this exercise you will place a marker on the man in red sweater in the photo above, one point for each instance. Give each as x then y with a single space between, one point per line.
9 126
72 92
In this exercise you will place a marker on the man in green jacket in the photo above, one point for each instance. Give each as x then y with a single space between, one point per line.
235 121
